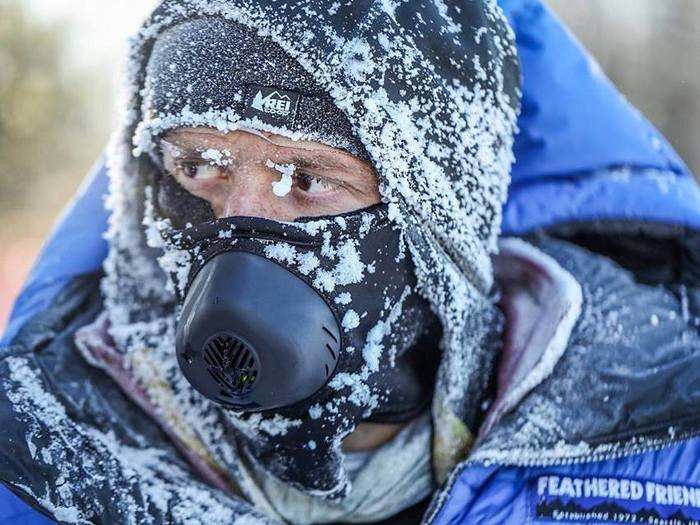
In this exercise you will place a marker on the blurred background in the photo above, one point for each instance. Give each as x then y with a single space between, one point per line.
60 64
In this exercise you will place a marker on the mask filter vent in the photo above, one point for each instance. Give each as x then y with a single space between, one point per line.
231 363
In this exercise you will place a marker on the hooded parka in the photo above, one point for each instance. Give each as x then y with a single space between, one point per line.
596 398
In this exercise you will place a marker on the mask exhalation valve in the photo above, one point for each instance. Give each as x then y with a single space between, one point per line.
231 363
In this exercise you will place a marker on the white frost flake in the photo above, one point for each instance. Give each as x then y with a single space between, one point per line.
217 157
315 411
281 251
283 186
343 298
351 320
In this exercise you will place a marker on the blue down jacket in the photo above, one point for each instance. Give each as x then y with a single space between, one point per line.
588 169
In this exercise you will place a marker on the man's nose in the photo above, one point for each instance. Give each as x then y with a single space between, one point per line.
248 192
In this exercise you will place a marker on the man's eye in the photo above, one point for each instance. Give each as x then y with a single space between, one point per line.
310 184
198 171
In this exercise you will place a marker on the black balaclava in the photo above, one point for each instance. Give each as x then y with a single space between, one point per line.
303 328
432 91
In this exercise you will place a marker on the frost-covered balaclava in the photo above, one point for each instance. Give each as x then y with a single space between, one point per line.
431 92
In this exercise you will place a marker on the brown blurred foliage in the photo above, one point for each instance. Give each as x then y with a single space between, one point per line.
37 104
48 137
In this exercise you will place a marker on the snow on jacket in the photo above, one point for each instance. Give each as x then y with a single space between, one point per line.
581 430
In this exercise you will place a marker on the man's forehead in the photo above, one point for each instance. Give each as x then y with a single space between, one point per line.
203 134
304 151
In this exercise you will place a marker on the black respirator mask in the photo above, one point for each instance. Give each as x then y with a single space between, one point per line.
303 330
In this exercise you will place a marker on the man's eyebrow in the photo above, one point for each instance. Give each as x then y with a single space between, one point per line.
308 159
186 149
316 161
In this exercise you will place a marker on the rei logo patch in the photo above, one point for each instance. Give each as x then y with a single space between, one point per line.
614 500
271 105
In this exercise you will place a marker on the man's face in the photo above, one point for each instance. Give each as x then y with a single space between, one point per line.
259 174
242 173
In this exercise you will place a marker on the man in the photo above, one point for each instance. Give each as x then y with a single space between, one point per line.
300 295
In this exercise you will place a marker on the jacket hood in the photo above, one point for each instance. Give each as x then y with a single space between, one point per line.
432 92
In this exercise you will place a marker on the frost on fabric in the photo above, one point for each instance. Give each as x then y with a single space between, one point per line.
176 263
282 252
566 453
308 262
315 411
347 264
351 320
225 121
343 298
360 393
607 359
349 270
276 426
137 476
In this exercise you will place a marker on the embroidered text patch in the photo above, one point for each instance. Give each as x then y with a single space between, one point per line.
615 500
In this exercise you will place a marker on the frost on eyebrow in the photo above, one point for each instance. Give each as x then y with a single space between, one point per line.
283 186
221 158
